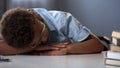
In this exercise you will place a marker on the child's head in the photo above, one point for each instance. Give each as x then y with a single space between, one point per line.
17 27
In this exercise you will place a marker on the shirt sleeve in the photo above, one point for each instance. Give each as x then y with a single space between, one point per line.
76 32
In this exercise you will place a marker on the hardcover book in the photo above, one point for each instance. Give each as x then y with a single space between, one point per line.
112 58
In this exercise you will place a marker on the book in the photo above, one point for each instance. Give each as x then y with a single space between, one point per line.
116 34
113 55
112 58
112 62
116 37
114 48
116 41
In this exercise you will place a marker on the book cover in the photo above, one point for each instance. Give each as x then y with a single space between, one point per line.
112 58
116 34
113 55
112 62
116 41
115 48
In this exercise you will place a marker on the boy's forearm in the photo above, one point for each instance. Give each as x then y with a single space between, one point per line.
1 36
86 47
5 49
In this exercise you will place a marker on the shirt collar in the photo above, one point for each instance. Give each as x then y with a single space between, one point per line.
47 17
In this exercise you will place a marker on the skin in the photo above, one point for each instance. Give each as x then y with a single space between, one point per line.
92 45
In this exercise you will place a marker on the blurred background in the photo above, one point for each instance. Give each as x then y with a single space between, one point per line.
101 16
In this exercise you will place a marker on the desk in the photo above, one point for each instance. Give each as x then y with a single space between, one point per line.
66 61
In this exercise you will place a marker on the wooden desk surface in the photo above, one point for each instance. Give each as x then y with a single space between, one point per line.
66 61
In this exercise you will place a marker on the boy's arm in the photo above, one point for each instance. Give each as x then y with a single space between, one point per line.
92 45
5 49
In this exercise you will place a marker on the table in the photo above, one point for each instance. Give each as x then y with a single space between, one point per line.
65 61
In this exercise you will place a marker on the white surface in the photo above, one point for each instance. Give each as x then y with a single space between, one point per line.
66 61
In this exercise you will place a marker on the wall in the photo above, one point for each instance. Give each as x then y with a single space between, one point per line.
2 7
48 4
101 16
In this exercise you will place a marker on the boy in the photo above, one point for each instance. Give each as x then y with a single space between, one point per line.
44 32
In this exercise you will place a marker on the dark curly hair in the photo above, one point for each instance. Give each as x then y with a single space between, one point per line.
17 27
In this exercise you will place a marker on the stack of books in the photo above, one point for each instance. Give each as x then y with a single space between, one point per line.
116 38
112 59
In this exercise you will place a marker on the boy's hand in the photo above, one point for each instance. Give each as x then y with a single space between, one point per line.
54 46
62 51
52 49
